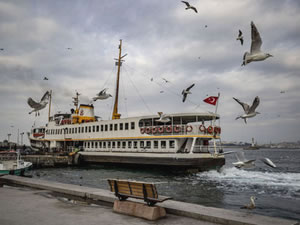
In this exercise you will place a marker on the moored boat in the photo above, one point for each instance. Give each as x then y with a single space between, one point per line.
184 141
15 167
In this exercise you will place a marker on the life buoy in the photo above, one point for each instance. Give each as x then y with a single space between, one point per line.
177 129
202 128
189 128
216 130
154 130
142 130
148 130
169 129
210 129
160 129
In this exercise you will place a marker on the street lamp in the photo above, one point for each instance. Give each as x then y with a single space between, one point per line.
22 137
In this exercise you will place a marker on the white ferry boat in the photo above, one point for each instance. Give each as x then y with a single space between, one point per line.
187 141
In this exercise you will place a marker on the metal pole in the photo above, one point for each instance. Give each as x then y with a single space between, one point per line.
214 123
22 137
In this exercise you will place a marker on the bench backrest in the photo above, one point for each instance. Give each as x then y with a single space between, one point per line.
133 188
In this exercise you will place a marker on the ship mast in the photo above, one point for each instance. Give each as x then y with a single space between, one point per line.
115 114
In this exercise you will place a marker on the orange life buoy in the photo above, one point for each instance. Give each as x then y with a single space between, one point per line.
177 129
154 130
142 130
169 129
160 129
210 129
148 130
202 128
189 128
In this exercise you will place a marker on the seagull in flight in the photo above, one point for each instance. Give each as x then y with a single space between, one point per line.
163 118
282 92
102 95
188 6
255 53
1 49
166 80
185 92
240 37
46 78
249 111
242 162
251 205
37 106
69 48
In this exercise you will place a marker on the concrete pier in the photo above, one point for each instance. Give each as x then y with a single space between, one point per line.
186 212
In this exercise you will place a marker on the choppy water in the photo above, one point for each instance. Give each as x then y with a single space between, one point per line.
277 190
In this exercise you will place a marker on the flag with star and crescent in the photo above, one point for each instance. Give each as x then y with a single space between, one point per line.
211 100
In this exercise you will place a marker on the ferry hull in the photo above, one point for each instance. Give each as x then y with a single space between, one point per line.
171 161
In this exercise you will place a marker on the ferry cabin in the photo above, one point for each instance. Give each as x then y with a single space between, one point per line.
185 133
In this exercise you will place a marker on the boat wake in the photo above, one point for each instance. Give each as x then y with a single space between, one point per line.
275 183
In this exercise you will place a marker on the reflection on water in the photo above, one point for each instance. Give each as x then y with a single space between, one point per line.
277 189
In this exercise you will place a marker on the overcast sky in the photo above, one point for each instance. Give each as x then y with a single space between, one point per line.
162 40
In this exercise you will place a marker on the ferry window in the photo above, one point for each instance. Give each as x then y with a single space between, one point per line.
85 144
148 144
79 130
94 129
70 131
110 127
121 126
96 144
116 126
126 126
155 144
113 144
97 128
90 129
172 144
100 144
86 129
135 144
132 125
141 124
176 120
75 130
141 144
88 144
106 127
82 129
163 144
109 144
129 144
104 144
92 144
101 127
123 144
119 144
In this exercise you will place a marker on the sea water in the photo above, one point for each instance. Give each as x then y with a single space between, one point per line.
277 189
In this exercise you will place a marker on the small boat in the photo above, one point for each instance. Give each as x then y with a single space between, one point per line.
14 167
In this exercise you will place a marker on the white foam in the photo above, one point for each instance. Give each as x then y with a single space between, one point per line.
235 176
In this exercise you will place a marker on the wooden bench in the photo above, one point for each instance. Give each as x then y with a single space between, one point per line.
124 189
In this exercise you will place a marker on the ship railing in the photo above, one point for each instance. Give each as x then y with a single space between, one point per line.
181 130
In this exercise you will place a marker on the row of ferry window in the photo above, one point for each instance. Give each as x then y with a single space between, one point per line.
130 144
95 128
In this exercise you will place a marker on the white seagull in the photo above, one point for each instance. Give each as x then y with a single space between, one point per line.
242 162
249 111
188 6
37 106
255 53
185 92
251 205
240 37
163 118
102 95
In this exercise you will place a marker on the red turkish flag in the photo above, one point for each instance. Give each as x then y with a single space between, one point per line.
211 100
